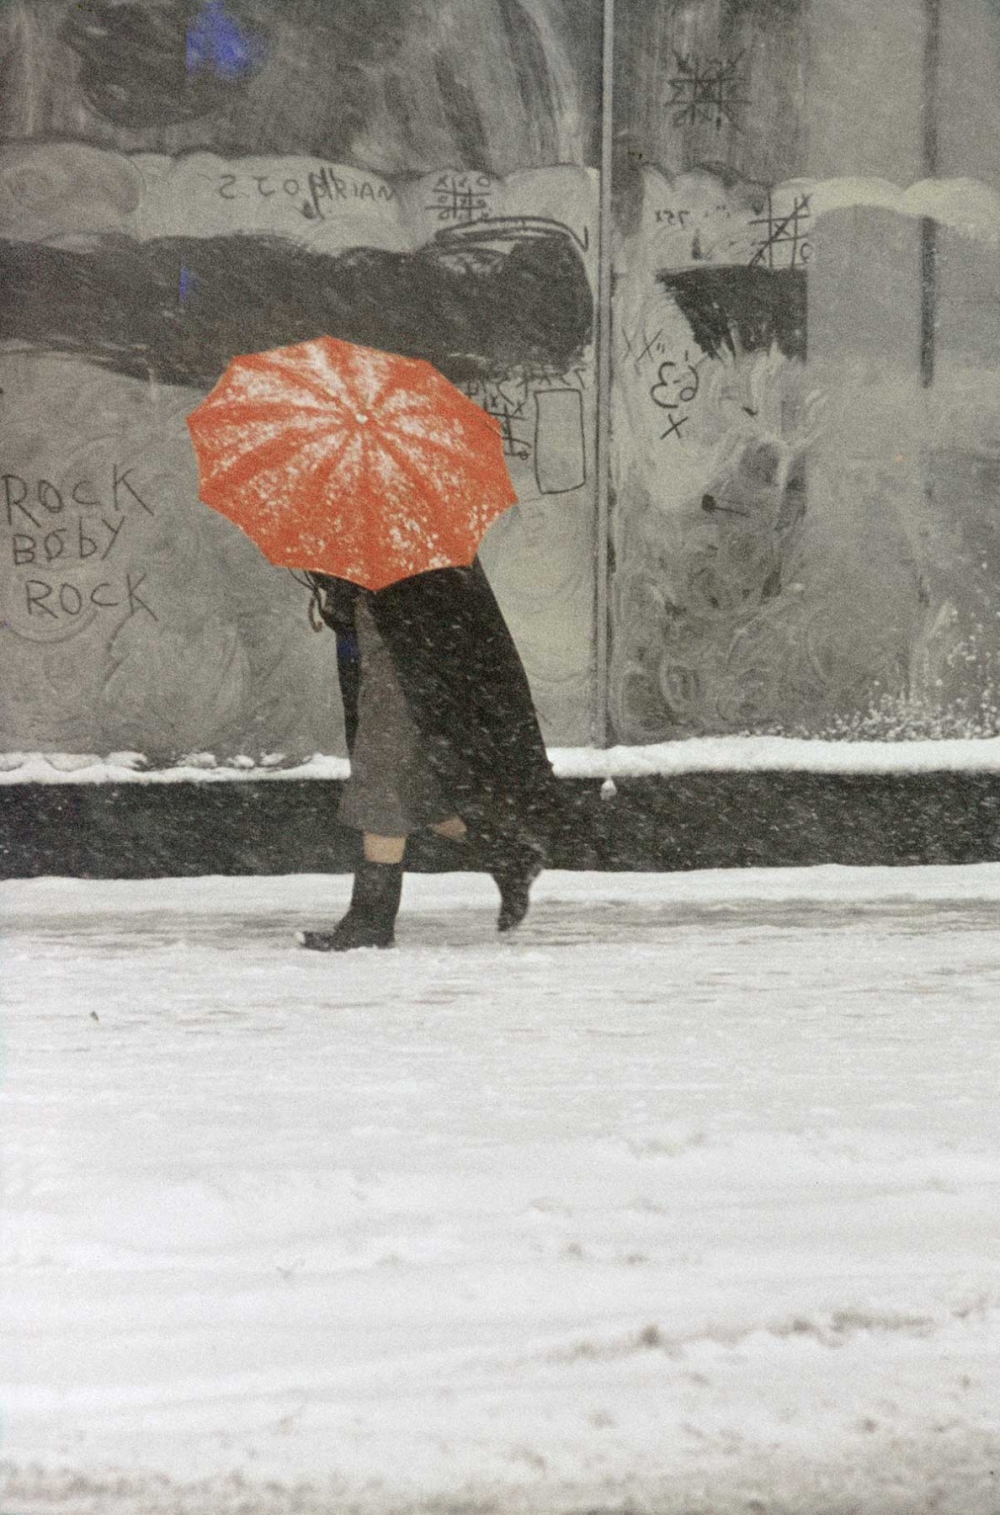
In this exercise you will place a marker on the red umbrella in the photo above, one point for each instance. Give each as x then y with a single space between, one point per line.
350 461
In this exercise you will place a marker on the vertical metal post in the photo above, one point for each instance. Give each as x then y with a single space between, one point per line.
930 165
604 340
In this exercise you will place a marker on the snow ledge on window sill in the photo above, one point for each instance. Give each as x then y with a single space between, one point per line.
723 754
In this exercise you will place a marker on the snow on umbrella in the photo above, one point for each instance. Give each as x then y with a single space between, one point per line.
350 461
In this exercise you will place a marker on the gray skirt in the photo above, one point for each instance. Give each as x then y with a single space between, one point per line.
392 789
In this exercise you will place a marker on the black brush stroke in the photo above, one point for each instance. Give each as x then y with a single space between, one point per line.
463 116
746 309
527 52
120 304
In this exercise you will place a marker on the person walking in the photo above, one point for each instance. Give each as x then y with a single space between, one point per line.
442 734
378 478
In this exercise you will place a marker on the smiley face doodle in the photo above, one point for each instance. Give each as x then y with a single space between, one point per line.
676 384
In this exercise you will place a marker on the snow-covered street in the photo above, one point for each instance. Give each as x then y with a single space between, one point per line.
686 1200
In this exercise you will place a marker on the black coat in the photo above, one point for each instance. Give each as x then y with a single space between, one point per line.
467 693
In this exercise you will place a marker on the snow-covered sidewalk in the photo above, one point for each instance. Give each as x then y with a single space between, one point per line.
685 1200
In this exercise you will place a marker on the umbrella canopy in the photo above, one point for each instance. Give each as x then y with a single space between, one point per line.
350 461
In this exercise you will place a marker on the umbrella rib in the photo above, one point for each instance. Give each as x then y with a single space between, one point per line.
457 450
329 461
292 517
443 440
231 408
259 459
405 466
235 440
397 382
392 386
463 404
268 363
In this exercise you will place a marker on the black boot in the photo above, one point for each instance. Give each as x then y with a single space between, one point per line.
513 863
514 871
371 916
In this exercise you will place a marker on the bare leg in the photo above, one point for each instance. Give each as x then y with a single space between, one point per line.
454 829
384 849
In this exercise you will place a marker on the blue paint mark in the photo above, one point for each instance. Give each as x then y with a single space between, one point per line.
216 41
189 283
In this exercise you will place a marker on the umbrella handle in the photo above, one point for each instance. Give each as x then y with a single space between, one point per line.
315 619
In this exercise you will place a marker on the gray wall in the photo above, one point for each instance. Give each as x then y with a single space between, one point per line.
805 449
806 494
181 182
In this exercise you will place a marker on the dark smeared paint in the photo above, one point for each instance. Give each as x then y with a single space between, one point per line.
464 117
752 308
398 86
134 64
146 66
117 305
531 67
